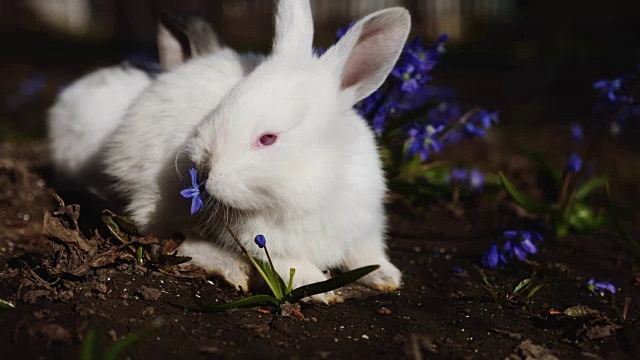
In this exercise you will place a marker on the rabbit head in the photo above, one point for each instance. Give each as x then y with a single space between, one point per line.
283 137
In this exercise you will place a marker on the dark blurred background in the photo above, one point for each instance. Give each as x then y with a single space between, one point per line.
533 60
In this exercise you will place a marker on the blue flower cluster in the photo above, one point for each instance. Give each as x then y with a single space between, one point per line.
601 287
519 245
618 97
407 90
474 179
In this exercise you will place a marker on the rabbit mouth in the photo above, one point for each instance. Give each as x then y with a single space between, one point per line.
217 215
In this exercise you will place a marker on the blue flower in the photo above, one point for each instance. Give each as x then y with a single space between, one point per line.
411 80
616 97
458 175
423 140
476 180
576 131
261 241
318 52
574 163
145 61
601 286
193 193
520 243
342 31
488 118
425 59
492 258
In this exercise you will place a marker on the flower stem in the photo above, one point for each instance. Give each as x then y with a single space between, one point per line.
270 262
274 290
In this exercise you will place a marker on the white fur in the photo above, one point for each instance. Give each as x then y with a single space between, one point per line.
86 112
316 194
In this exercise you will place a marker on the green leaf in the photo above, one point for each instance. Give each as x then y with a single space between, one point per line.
488 287
139 258
521 286
521 199
437 174
267 279
411 168
292 272
274 284
127 225
114 228
6 305
536 288
128 342
590 186
246 301
331 284
90 346
580 311
584 218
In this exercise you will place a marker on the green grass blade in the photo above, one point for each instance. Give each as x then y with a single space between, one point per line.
274 280
139 258
246 301
292 272
90 346
5 305
590 186
522 285
521 199
274 289
535 289
128 342
331 284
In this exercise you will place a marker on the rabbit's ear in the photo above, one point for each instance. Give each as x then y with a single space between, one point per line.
294 28
366 54
180 38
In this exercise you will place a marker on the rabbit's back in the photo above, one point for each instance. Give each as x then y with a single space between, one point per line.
87 112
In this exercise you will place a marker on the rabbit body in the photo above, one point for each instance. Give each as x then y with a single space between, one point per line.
316 191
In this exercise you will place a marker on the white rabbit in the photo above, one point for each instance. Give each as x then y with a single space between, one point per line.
281 150
91 108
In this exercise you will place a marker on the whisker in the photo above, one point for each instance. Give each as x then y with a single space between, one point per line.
175 163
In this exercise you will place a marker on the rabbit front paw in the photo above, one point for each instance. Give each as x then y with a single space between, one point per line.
386 279
306 273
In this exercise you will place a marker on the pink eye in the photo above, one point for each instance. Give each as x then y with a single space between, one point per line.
268 139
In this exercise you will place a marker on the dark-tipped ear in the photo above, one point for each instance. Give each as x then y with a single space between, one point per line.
294 28
183 37
366 54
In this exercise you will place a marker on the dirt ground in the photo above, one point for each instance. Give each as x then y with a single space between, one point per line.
443 310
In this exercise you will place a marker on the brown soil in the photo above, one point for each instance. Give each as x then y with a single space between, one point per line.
443 310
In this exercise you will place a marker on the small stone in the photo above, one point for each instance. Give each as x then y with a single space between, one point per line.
365 336
148 293
208 350
101 288
384 311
